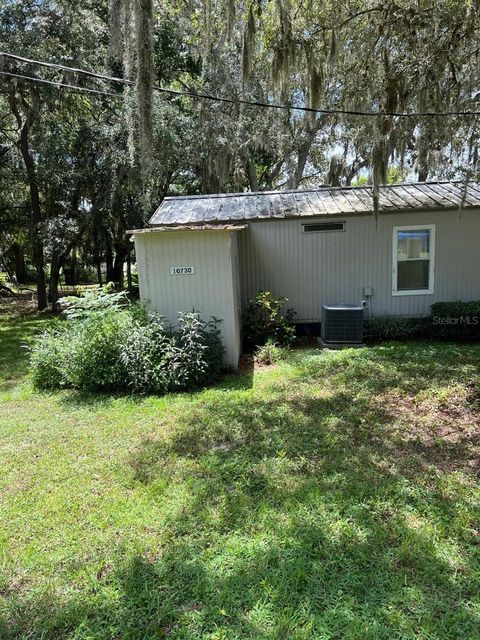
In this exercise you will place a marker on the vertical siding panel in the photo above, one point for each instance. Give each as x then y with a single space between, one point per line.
318 268
309 269
209 291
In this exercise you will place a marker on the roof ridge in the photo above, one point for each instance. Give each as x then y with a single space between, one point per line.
320 188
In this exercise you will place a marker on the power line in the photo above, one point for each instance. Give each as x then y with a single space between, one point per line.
61 84
240 101
55 65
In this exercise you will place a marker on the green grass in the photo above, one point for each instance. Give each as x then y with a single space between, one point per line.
332 496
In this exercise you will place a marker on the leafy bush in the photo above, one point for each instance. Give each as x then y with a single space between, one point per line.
198 352
270 353
115 348
94 353
93 300
48 360
146 357
456 320
388 327
159 361
263 318
84 354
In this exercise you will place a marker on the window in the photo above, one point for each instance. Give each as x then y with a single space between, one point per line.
323 226
413 260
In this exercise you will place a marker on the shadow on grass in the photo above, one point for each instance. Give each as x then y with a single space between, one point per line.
306 514
91 399
346 504
239 380
365 573
230 381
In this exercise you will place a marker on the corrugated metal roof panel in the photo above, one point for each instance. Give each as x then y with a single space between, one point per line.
189 227
316 205
335 201
472 198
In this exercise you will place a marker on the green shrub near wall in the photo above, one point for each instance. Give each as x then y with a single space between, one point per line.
159 360
390 327
266 318
456 320
111 345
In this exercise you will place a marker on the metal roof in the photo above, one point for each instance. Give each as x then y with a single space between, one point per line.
189 227
324 201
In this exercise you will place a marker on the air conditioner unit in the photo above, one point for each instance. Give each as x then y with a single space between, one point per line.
342 324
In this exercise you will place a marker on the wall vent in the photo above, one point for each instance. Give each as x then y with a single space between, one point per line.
342 324
316 227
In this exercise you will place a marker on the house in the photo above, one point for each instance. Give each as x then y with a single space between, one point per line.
211 253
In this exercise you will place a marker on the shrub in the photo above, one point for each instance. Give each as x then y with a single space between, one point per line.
145 355
48 358
94 352
84 354
114 349
159 361
388 327
456 320
92 301
270 353
263 318
197 352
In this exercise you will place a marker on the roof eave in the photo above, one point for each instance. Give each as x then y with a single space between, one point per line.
212 224
191 227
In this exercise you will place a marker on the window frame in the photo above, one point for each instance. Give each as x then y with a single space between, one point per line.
325 223
431 260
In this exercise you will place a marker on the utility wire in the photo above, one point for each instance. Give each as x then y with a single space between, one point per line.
61 84
238 101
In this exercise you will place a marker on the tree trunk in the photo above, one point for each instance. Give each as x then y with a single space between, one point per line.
129 269
423 159
20 271
53 282
67 272
271 174
423 173
354 169
252 176
99 271
115 272
37 243
74 267
23 144
303 154
70 268
109 261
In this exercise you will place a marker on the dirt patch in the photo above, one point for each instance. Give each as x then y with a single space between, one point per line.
21 303
442 428
249 365
12 586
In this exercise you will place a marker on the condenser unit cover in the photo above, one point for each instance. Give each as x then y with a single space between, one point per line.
342 324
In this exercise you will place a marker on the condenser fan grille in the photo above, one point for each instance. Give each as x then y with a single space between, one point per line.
342 323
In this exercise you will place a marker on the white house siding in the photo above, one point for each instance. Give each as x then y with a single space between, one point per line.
212 291
321 268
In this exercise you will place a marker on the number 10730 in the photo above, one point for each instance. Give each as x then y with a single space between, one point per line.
182 271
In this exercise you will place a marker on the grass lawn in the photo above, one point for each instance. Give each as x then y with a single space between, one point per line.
332 496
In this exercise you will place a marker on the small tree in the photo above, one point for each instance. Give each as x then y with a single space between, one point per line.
265 318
